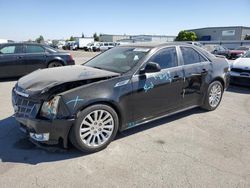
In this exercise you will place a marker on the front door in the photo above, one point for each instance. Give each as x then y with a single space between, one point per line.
157 93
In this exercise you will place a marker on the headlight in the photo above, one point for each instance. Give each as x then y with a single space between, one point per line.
49 108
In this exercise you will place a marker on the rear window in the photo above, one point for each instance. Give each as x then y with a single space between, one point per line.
11 49
8 50
190 56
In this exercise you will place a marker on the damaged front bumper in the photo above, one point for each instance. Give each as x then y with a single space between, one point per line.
50 132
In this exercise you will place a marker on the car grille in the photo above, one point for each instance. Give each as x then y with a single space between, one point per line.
239 70
24 107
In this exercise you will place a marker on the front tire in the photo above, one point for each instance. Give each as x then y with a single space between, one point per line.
213 96
95 127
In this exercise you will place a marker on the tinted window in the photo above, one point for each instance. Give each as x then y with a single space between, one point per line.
166 58
190 56
34 49
105 44
8 49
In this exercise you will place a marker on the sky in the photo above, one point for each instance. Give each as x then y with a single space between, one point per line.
60 19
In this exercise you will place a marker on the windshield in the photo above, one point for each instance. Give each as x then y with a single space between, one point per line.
119 59
247 55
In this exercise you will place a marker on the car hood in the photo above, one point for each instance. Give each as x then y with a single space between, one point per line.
42 79
242 63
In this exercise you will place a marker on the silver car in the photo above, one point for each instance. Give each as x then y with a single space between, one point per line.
240 70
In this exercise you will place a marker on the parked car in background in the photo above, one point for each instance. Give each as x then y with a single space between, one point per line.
240 70
237 52
96 47
3 41
218 50
70 45
54 46
121 88
195 43
18 59
106 46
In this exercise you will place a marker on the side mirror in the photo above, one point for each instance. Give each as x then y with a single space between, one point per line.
150 68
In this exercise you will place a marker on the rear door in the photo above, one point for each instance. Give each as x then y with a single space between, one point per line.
157 93
196 69
11 59
35 57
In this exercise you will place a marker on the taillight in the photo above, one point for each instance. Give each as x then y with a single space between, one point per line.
70 57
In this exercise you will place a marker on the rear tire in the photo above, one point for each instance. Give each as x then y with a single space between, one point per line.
213 96
95 127
55 64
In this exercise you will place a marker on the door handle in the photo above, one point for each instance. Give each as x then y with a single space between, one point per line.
177 77
204 71
195 74
19 57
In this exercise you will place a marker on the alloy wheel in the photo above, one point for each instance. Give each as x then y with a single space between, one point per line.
96 128
215 95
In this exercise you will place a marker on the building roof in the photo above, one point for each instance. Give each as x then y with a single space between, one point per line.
226 27
138 35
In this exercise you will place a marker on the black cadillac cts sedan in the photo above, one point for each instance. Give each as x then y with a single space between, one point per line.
119 89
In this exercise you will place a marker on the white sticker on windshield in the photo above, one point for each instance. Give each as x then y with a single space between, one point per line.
141 49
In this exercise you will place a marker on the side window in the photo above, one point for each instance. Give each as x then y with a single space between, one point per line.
190 56
34 49
8 49
166 58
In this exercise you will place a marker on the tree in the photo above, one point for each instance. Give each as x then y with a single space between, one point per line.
40 39
247 37
82 35
186 36
71 38
96 37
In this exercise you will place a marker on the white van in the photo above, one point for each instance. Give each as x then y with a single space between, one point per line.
106 45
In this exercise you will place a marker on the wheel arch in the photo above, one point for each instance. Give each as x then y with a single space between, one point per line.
221 80
111 104
56 60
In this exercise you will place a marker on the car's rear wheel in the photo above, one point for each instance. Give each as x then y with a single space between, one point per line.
213 96
55 64
95 127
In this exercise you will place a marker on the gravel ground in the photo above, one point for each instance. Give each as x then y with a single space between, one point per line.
190 149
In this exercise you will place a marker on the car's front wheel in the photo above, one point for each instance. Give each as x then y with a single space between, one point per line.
95 127
213 96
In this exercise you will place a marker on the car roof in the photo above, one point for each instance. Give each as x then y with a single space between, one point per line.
156 44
